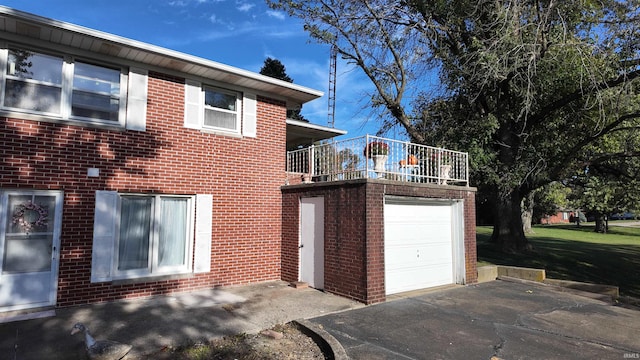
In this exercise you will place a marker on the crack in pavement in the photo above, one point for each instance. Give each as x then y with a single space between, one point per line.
493 321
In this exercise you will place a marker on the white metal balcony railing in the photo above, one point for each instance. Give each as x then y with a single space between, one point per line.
381 159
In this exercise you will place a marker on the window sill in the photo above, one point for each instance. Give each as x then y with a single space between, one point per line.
152 279
52 119
222 133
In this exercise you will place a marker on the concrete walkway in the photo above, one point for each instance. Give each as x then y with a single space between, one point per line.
151 324
493 320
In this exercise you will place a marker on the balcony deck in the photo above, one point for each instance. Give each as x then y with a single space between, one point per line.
377 158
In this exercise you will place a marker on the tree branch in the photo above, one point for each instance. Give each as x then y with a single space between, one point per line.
561 164
580 93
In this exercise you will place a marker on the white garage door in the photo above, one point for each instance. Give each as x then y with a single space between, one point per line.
419 251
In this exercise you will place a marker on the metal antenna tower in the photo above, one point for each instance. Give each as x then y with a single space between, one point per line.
332 86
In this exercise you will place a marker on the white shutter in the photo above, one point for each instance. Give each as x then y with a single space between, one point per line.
193 105
204 214
249 115
137 100
105 227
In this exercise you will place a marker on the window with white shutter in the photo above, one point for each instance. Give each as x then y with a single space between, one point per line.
146 235
219 110
63 87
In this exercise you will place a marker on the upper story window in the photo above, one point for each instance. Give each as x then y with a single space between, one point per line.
96 92
33 82
221 109
63 87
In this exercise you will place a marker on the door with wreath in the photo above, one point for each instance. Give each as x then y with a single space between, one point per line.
29 248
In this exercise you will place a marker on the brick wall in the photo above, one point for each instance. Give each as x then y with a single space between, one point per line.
557 218
354 232
166 158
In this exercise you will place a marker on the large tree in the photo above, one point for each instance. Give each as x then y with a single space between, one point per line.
527 85
275 69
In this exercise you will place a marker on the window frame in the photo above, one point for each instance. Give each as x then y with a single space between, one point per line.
194 109
237 112
122 93
67 86
153 269
11 77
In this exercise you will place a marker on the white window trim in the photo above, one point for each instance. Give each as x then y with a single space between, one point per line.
68 76
4 61
246 110
236 112
136 116
107 230
152 268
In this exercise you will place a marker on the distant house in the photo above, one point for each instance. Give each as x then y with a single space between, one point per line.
130 170
560 217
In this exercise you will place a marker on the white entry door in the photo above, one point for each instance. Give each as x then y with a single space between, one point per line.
312 241
29 248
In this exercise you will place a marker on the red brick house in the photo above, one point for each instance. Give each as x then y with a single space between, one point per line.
130 170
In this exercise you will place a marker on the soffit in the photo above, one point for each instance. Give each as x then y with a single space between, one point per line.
304 133
69 35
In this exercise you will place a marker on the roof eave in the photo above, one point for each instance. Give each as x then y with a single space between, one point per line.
158 56
304 133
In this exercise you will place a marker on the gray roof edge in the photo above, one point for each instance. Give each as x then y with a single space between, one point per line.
316 127
158 50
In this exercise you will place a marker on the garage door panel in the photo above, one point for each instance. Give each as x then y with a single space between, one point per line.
417 235
410 213
424 254
412 278
422 266
418 246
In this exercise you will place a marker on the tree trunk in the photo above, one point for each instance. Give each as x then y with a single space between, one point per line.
508 234
601 223
527 213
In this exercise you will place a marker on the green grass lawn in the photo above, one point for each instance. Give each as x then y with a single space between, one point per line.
569 252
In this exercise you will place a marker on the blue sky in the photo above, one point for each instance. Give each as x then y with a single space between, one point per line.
233 32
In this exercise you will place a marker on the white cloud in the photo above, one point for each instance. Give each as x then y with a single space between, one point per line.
178 3
287 29
215 35
185 3
283 34
244 7
276 14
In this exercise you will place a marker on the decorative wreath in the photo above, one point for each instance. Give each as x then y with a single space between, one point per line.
18 216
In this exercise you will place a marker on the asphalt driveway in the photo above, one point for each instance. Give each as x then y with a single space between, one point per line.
499 319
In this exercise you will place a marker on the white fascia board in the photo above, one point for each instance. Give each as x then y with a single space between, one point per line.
310 94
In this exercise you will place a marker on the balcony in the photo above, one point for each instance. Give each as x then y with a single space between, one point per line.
382 159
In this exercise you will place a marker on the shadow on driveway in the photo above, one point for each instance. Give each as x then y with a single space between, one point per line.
496 319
